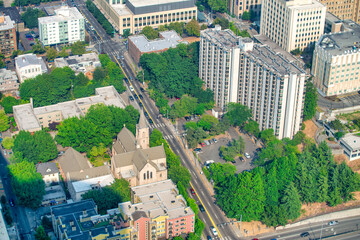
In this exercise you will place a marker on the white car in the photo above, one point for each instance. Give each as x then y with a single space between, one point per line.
131 88
214 231
332 223
247 155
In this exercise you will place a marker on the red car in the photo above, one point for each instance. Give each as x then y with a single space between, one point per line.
192 191
202 144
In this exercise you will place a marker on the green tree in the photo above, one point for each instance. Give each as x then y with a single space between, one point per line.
218 5
51 54
4 121
238 114
252 127
267 135
8 103
30 17
150 33
78 48
40 234
178 27
310 103
101 116
180 174
193 28
28 184
44 146
63 53
207 122
37 49
8 143
246 15
291 203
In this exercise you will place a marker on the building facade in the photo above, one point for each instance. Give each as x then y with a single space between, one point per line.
351 144
84 63
67 26
238 7
134 15
299 23
8 42
8 81
345 10
49 171
239 71
336 61
29 66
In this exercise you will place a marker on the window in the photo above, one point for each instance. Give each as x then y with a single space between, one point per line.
144 176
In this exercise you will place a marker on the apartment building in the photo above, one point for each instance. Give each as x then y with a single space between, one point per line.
29 66
299 23
238 7
8 42
8 81
158 211
266 80
336 61
33 119
67 26
134 15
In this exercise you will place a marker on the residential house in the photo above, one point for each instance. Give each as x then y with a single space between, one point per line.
49 171
29 66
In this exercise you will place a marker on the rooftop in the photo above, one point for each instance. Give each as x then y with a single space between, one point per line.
169 39
62 14
225 38
6 23
87 184
142 3
6 75
341 43
47 168
29 59
54 193
25 117
12 12
352 141
157 199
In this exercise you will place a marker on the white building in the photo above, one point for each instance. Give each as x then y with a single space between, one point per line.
84 63
49 171
29 66
351 145
67 26
255 75
8 81
292 23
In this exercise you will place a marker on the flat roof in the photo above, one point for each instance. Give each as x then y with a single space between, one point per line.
121 9
138 7
86 185
7 24
29 59
62 14
142 3
169 39
53 193
353 141
225 38
25 117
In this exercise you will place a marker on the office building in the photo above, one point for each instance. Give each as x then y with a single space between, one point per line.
28 66
336 61
351 144
238 7
267 81
8 81
8 42
158 211
292 24
33 119
345 10
66 26
134 15
139 44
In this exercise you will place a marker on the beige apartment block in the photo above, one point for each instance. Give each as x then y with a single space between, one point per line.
134 15
238 7
292 24
343 9
336 61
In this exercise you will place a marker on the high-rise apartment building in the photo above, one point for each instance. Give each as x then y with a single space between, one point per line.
238 70
292 24
238 7
7 36
336 61
67 26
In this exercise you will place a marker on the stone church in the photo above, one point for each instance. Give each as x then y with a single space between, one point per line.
133 159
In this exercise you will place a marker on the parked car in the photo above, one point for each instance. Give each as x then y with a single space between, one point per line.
146 114
142 90
32 44
233 161
187 118
131 98
209 237
214 139
247 155
201 208
141 96
126 80
332 223
150 121
140 104
304 234
136 96
192 191
131 88
214 231
11 202
198 150
202 144
206 142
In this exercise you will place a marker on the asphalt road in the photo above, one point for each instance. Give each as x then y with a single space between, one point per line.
213 216
347 228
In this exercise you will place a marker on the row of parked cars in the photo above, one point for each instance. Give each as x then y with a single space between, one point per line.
208 142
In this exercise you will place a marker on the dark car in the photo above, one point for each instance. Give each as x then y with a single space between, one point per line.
198 150
32 44
209 237
304 234
146 114
150 121
11 202
141 89
140 104
136 96
233 161
131 98
126 80
201 208
141 96
192 191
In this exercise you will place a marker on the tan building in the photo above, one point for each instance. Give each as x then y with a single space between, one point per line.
238 7
134 15
133 159
7 36
336 61
344 9
299 23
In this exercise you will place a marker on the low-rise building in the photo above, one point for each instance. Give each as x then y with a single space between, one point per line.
8 81
8 42
351 144
49 171
54 195
158 211
79 63
29 66
66 26
15 16
336 61
139 44
33 119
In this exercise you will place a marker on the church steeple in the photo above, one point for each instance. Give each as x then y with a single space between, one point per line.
142 133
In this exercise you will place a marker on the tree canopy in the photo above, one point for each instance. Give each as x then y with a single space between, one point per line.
4 121
238 114
31 15
192 28
310 103
8 103
78 48
100 18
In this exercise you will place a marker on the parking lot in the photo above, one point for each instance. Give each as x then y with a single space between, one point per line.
211 152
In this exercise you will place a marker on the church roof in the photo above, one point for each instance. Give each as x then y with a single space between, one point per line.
142 121
127 141
73 161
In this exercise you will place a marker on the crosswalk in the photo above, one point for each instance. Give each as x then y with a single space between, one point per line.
169 137
102 41
158 125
